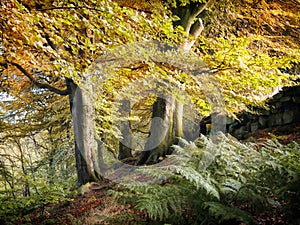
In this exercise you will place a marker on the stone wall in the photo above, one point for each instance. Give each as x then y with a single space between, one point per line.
284 109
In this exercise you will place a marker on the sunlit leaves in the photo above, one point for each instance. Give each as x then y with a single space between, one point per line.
246 74
72 31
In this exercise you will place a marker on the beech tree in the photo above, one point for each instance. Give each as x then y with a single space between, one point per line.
251 50
170 110
49 46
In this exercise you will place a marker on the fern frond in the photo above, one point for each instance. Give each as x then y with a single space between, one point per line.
161 201
198 180
224 213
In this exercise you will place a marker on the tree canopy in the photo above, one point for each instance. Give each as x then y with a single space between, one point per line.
44 43
48 48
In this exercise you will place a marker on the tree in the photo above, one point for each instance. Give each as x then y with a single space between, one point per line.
49 45
168 109
233 46
32 135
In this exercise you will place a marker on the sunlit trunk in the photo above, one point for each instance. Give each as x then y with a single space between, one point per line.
168 109
86 147
162 131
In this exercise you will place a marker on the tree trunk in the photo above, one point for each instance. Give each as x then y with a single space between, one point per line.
86 147
162 131
168 109
125 151
88 151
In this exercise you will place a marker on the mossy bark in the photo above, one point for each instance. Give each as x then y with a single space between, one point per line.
125 144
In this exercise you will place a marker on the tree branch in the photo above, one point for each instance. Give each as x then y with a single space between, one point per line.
38 84
197 28
192 26
89 8
67 7
200 9
193 15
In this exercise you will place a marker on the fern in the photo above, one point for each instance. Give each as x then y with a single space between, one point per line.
198 180
237 173
223 213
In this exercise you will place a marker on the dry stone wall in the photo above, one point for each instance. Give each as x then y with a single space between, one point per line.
284 109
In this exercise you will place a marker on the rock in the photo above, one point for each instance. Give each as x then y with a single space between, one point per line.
265 112
277 105
296 111
285 99
251 116
262 121
274 110
275 120
239 133
288 117
284 109
254 126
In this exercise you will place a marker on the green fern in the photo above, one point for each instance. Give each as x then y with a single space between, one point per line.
223 213
238 174
198 180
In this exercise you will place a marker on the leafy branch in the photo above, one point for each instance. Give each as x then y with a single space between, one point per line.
38 84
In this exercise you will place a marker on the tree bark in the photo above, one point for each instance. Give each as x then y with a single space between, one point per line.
169 109
125 151
162 133
87 153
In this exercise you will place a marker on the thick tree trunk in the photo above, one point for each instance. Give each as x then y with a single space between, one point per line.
168 109
162 132
88 151
86 147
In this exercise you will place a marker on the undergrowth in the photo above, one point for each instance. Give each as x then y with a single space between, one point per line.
221 180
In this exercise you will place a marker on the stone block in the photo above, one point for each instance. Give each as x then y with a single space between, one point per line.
262 121
265 112
254 126
277 105
288 117
275 120
285 99
274 110
239 133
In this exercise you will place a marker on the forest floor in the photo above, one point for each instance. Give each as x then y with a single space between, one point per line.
96 206
284 134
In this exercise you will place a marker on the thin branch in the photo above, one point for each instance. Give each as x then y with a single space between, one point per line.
193 15
199 10
89 8
38 84
67 7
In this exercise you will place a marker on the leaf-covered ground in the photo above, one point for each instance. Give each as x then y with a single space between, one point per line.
93 206
97 207
284 134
